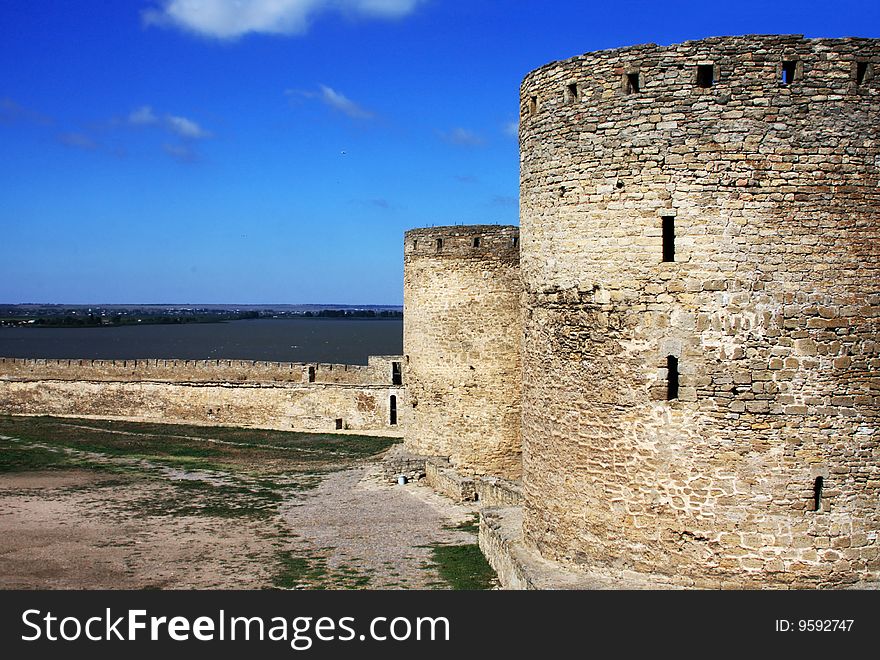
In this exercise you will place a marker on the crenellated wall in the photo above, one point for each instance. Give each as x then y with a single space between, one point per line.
377 370
285 396
700 228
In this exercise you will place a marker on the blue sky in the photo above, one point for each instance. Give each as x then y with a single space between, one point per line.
274 151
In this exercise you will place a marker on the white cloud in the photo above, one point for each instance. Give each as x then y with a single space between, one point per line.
181 152
338 101
511 128
332 99
179 126
143 116
462 137
229 19
185 128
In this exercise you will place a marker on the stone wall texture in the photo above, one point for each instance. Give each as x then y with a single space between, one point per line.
378 370
226 392
461 336
763 152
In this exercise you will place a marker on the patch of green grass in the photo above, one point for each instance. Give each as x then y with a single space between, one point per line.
294 571
350 445
15 457
201 498
314 573
60 432
463 567
471 525
192 446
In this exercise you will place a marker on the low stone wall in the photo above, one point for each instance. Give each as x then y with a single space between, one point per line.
497 545
488 491
399 462
494 491
448 482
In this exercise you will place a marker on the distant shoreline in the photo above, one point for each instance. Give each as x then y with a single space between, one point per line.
3 323
103 317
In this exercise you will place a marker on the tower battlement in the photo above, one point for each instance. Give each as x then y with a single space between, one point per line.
463 242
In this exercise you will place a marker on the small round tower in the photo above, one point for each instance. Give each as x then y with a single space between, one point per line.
461 334
701 272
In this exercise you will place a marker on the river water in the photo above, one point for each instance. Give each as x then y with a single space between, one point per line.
340 341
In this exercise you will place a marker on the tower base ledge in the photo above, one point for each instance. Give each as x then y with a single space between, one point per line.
520 566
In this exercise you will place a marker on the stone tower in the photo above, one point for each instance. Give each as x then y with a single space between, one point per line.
461 340
701 271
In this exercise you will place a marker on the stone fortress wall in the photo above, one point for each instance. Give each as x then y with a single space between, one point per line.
701 271
274 395
461 339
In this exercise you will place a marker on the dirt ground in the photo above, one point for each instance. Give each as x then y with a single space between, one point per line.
383 531
69 530
86 529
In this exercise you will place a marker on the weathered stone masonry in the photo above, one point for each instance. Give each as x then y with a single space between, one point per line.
461 335
708 415
285 396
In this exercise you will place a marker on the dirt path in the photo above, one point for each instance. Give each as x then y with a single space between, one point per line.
358 522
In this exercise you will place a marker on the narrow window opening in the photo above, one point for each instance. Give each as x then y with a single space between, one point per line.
516 241
415 244
861 72
311 374
396 374
571 94
476 241
338 423
632 83
439 243
705 75
533 105
392 404
788 70
817 493
668 238
671 377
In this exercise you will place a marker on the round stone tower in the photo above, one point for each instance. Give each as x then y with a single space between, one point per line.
701 271
461 334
